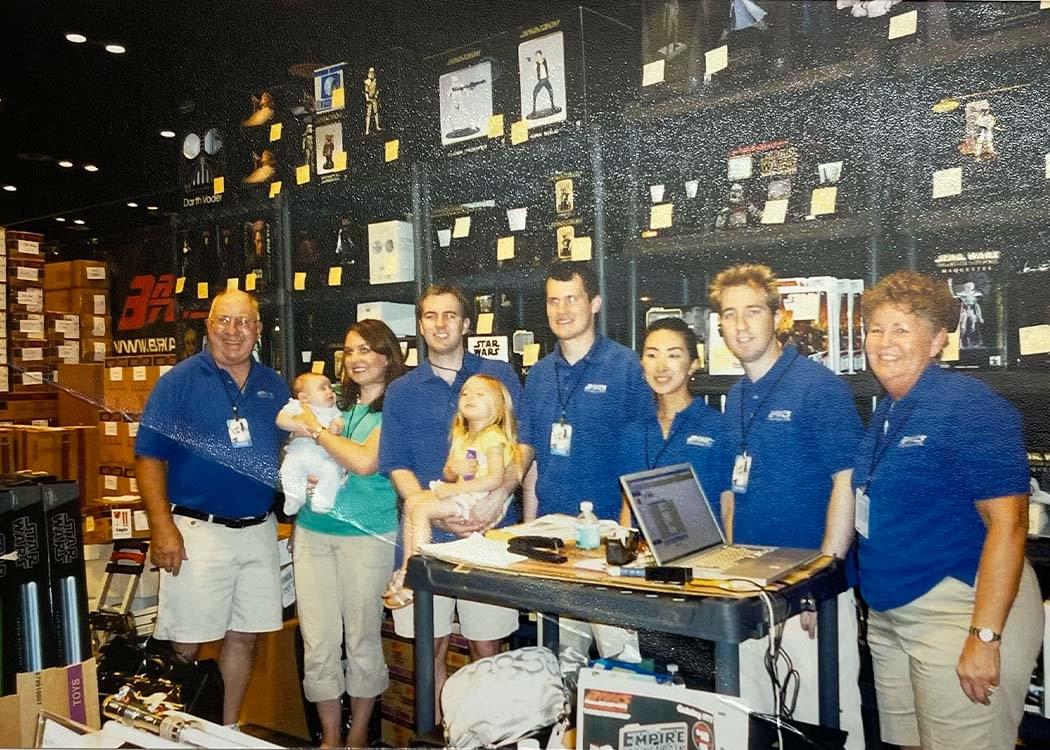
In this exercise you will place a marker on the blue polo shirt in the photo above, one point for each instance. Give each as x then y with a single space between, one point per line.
800 426
184 425
418 411
602 393
924 462
697 437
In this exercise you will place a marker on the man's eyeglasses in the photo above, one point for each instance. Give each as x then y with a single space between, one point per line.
236 323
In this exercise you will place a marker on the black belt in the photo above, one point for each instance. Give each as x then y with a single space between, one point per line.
233 523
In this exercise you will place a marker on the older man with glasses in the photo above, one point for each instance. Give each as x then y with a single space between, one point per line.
206 462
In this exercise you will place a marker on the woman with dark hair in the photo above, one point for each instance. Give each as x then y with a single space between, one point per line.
343 558
941 492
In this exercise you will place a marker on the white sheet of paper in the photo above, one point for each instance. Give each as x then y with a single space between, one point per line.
947 182
803 306
822 201
739 167
461 228
473 550
652 73
775 212
661 216
412 357
904 24
716 59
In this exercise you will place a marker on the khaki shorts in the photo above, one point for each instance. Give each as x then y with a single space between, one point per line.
229 581
915 649
477 621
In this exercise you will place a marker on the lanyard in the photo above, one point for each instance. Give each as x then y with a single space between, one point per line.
675 429
240 391
354 425
883 441
563 401
745 429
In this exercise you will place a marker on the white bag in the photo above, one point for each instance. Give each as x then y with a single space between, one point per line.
498 700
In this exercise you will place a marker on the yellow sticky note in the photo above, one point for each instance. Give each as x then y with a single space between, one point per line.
249 282
530 355
275 132
302 174
580 248
461 228
822 200
202 290
1034 339
232 285
339 160
1044 4
775 211
218 185
904 24
661 215
180 284
519 132
299 281
338 98
412 357
317 367
950 353
391 149
504 248
716 59
947 182
496 126
484 325
653 73
335 276
275 188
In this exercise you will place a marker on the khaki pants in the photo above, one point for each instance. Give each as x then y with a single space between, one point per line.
915 649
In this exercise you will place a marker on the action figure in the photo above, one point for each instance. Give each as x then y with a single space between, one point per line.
308 144
740 212
745 14
328 151
345 249
265 168
262 110
371 90
461 127
669 18
543 82
867 8
970 317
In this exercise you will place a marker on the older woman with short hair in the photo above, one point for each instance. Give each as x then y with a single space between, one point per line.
941 490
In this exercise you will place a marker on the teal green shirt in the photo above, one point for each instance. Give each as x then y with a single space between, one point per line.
364 505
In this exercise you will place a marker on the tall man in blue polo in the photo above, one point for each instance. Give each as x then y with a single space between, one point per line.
794 430
206 462
413 447
577 400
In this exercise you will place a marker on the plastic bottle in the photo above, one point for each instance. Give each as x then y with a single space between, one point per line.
672 672
587 533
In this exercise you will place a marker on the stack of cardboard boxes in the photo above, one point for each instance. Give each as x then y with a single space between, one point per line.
76 294
29 363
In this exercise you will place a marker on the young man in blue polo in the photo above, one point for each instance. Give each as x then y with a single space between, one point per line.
413 447
577 400
794 429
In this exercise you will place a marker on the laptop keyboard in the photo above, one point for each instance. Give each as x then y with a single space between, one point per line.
727 557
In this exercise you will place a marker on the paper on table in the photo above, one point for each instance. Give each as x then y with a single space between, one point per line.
473 550
653 73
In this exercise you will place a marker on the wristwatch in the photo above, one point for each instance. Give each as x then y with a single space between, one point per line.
316 433
986 635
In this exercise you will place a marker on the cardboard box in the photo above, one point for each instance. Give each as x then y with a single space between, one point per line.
24 273
66 576
25 300
391 258
78 300
25 407
95 349
91 274
80 395
23 245
70 692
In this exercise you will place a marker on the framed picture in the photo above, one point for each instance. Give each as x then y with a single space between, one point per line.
465 97
541 76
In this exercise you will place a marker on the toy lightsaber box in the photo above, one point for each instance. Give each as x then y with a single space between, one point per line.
621 711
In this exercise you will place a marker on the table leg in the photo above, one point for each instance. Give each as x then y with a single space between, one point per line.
550 630
828 661
423 659
727 668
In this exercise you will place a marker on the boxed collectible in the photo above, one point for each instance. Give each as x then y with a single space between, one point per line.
1029 316
391 256
977 279
400 317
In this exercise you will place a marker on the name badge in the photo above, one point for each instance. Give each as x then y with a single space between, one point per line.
862 512
561 438
240 435
741 472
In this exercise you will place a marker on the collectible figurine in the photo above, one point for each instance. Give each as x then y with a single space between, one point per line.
328 151
308 143
669 17
265 168
745 14
543 83
867 8
262 110
565 237
371 91
740 212
981 124
460 119
970 316
564 203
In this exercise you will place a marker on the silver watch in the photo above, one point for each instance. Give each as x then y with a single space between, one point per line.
986 635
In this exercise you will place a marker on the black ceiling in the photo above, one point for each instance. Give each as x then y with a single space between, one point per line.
78 102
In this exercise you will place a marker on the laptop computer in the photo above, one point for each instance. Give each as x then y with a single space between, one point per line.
680 527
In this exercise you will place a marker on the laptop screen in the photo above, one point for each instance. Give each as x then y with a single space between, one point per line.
673 512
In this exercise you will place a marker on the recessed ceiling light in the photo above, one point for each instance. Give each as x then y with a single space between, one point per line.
132 204
79 222
65 164
60 219
167 134
76 38
10 188
115 49
151 208
90 168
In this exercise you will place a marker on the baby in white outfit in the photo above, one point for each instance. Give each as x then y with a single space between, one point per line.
304 457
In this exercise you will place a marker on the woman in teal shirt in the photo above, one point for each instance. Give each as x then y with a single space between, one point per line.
343 558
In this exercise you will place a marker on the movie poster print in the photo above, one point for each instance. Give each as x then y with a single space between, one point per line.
541 77
328 140
326 81
465 103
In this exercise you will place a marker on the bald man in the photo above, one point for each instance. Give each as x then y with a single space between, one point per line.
206 459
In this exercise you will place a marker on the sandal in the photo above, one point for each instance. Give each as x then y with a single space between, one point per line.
396 595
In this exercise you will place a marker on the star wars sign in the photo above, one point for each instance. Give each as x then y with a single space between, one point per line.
490 347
